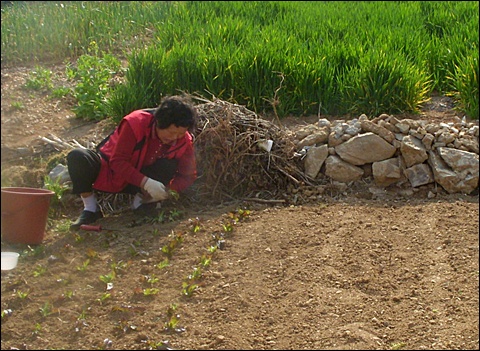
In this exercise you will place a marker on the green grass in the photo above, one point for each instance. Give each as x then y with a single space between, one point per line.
338 57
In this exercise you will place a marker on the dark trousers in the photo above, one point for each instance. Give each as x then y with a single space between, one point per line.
84 167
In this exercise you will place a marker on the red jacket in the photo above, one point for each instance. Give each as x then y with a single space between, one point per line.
124 155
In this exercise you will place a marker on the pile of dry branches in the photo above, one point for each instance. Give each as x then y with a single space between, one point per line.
229 160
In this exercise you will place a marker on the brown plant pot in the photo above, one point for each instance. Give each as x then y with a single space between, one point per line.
24 214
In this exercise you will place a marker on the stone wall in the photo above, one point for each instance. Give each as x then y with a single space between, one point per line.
392 151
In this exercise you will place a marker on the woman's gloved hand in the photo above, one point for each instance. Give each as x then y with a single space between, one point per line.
156 189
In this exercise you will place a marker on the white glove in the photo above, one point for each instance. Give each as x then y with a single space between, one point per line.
156 189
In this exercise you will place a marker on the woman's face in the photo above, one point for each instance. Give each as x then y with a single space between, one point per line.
170 134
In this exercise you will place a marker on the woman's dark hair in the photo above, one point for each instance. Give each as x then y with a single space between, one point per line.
177 110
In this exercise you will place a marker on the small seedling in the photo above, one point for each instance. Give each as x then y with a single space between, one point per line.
59 189
133 250
46 310
105 296
22 295
174 215
168 249
172 322
37 330
163 264
228 227
68 294
107 278
152 279
63 225
84 265
197 274
17 105
60 92
212 249
160 218
39 79
37 250
78 238
174 194
118 267
150 291
205 261
6 313
82 315
195 224
188 289
398 346
39 270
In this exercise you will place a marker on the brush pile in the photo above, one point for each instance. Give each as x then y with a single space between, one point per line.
230 162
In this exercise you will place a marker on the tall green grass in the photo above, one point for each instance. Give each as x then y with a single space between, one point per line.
301 57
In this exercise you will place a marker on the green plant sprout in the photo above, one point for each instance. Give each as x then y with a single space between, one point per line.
172 322
22 295
398 346
118 267
174 215
83 315
132 250
105 296
163 264
188 289
212 249
205 260
152 279
169 248
196 225
174 194
39 79
61 92
150 291
78 238
39 271
228 227
37 250
160 218
37 329
46 309
197 274
59 190
84 265
6 313
16 105
107 278
68 294
63 225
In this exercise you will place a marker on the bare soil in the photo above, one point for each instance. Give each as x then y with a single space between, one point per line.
351 272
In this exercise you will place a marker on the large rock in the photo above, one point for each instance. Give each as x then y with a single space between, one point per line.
450 169
386 172
413 151
342 171
419 174
320 136
365 148
314 160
